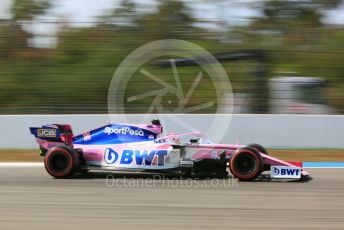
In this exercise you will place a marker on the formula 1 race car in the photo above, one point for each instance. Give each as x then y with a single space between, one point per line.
141 147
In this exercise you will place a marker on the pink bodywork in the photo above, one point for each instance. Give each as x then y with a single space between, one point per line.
196 151
211 151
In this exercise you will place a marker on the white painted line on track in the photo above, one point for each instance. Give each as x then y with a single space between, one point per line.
323 167
21 164
41 164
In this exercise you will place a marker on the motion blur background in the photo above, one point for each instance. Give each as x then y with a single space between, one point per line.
58 57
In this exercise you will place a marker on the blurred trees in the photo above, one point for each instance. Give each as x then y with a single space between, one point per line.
27 10
18 59
15 37
171 21
74 76
299 43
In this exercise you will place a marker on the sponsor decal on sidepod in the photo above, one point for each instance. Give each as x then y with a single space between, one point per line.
124 131
138 157
285 172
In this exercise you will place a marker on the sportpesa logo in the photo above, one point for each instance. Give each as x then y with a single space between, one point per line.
124 131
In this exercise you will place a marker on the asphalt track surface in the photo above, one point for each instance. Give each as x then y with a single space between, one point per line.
31 199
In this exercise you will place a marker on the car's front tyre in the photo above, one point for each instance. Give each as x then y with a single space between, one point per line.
259 148
246 164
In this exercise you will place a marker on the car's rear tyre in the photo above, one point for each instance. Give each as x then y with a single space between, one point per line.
61 161
246 164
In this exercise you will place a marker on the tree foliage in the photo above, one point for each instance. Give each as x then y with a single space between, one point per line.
74 77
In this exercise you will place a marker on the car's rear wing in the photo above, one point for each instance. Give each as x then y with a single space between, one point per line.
53 133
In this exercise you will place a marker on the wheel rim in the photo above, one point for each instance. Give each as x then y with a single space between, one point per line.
245 164
59 162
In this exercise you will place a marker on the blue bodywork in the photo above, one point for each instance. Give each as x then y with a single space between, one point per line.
115 134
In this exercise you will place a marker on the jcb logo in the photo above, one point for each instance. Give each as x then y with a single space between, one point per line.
46 133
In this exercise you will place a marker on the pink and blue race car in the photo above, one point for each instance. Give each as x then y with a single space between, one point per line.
143 148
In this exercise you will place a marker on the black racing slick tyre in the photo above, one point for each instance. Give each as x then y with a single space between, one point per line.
61 161
258 148
246 164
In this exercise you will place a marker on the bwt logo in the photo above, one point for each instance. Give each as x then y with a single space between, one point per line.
110 156
138 157
286 171
124 131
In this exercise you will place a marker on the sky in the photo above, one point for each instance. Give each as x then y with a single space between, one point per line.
5 5
87 10
84 12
